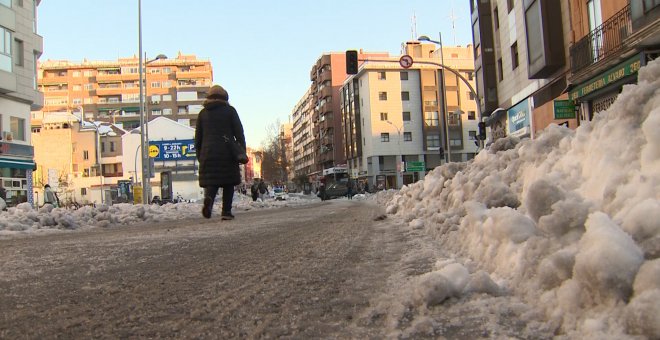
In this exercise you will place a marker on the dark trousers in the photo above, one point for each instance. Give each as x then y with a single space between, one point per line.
227 195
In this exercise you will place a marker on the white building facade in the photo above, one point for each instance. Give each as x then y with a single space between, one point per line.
20 49
394 121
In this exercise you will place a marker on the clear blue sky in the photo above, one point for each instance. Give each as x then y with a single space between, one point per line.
261 50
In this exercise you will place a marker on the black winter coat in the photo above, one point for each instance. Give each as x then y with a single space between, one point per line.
217 166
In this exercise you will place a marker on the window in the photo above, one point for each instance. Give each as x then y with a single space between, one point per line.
83 191
405 95
102 147
35 58
88 73
514 55
6 3
17 128
407 136
470 95
88 87
112 147
382 95
650 4
470 75
155 84
509 5
167 112
75 73
383 116
85 155
496 19
433 141
381 76
499 69
18 52
406 116
385 137
167 70
404 75
455 142
76 101
156 112
472 135
5 49
167 97
471 115
431 118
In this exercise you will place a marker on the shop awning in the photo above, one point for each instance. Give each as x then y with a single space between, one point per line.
16 163
131 109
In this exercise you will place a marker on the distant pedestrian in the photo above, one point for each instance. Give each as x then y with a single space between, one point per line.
217 122
50 197
349 193
254 190
263 190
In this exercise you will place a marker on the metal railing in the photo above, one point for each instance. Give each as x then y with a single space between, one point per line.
603 41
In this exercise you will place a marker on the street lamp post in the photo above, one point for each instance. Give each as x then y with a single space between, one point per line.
98 157
144 139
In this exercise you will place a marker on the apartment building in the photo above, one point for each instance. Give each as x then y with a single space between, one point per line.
520 62
21 48
327 76
398 123
71 154
612 39
109 91
303 142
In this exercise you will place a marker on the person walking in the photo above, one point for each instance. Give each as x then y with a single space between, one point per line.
254 190
263 190
218 124
50 197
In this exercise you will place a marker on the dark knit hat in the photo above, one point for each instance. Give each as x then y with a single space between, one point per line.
217 92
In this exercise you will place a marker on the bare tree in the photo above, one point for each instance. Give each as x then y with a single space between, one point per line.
274 163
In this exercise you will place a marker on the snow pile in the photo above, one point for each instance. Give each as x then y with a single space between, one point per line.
24 219
569 223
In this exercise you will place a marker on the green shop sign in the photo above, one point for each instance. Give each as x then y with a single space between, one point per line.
626 68
564 109
415 166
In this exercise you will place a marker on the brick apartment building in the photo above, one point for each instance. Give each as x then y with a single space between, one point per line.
109 90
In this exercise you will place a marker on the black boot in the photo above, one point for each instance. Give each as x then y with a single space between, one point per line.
208 207
226 215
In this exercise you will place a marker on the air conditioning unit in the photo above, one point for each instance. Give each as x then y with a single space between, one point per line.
154 102
7 135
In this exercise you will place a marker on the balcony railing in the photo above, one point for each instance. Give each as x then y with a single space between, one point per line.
602 42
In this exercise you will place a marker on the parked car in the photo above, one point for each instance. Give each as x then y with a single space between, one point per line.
280 194
335 190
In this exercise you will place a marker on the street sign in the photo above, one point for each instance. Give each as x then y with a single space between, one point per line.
415 166
564 109
170 150
406 61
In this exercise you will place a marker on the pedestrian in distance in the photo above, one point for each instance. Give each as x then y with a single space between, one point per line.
254 190
50 197
349 192
263 190
218 124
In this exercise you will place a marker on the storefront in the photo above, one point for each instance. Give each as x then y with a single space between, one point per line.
16 166
519 120
598 93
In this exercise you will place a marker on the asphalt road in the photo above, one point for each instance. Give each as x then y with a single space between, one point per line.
304 272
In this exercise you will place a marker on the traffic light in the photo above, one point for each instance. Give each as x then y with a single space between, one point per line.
351 62
482 130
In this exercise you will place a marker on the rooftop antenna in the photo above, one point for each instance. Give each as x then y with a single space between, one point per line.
413 27
453 19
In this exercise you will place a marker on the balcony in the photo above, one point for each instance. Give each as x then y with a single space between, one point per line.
325 92
604 41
